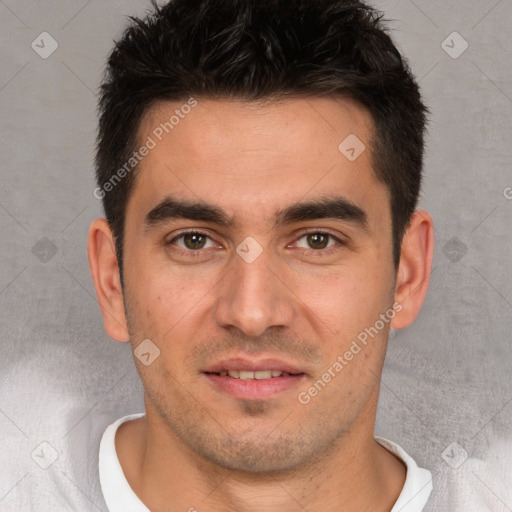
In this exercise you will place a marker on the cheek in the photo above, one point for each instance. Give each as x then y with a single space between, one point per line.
165 302
345 299
156 282
344 305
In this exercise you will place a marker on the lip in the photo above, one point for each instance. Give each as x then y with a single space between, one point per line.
254 389
257 390
253 365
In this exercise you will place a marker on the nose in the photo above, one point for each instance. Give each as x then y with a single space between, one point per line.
254 296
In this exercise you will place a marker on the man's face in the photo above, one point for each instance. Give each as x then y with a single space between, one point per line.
261 287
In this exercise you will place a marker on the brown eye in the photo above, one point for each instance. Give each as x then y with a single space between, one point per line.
194 240
318 240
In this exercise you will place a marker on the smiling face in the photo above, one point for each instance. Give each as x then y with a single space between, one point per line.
253 244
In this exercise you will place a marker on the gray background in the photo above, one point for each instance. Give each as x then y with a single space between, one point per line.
447 377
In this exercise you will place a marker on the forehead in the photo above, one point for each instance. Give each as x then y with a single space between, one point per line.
254 157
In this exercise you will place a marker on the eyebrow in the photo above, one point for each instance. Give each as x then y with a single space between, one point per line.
330 207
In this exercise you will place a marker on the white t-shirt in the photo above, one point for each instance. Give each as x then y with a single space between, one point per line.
120 497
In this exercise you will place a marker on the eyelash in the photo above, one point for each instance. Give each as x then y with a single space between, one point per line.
316 252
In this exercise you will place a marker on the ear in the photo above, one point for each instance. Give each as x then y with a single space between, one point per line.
413 274
107 280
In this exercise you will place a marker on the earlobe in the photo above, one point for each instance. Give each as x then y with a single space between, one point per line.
413 274
107 282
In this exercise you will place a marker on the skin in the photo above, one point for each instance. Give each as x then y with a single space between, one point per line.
198 447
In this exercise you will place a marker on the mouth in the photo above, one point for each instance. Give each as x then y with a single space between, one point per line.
253 375
253 380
